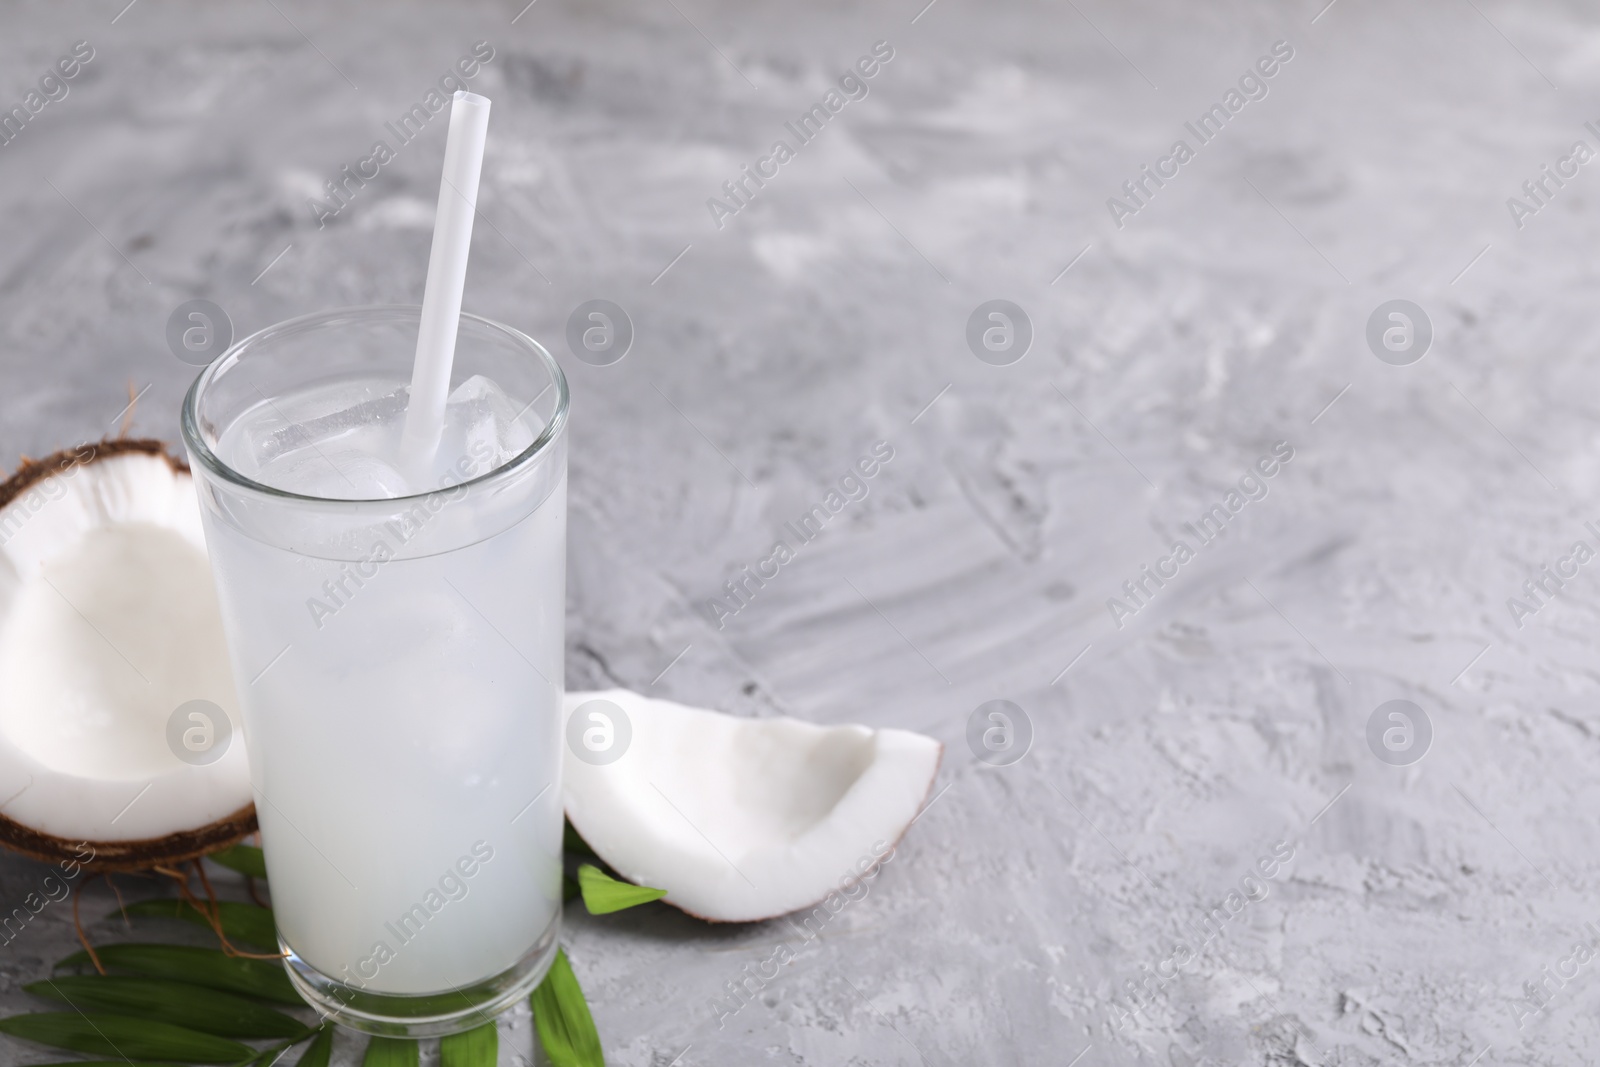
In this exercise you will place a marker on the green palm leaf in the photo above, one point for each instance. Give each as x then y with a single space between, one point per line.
201 966
317 1055
117 1035
475 1048
603 894
246 859
180 1003
561 1015
390 1052
247 923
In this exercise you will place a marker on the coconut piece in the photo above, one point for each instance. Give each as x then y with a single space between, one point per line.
108 623
737 819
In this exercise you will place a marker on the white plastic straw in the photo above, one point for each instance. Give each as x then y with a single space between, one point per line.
447 277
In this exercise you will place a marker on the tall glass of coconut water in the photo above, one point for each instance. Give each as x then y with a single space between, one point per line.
396 633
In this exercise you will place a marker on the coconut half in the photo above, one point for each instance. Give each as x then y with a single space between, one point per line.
108 624
737 819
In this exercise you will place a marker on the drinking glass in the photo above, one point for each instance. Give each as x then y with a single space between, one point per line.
399 667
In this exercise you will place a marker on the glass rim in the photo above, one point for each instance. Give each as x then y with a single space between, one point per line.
190 429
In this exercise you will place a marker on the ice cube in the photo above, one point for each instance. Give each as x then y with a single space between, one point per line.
332 440
310 431
334 473
483 426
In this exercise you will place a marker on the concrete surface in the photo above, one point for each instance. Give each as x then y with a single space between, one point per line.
1223 725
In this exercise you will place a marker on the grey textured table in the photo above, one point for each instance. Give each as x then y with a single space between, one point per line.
1174 747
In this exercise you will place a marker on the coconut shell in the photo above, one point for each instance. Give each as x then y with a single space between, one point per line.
165 851
176 847
33 471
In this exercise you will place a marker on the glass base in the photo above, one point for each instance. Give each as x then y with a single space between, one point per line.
451 1011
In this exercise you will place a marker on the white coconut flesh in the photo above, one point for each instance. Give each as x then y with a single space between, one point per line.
742 819
108 623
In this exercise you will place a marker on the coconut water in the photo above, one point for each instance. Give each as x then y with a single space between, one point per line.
400 675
